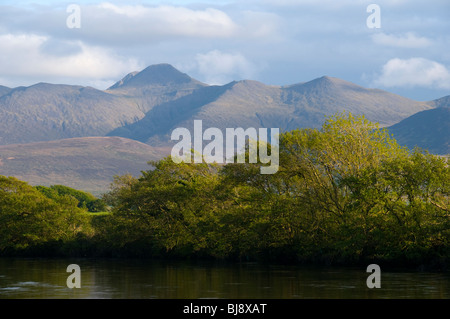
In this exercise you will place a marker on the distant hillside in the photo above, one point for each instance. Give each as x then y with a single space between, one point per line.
428 129
87 164
254 104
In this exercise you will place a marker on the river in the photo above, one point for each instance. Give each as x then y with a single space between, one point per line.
33 278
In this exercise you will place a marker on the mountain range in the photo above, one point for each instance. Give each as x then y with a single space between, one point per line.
144 107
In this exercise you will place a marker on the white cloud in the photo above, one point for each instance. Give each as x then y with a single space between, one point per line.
25 55
159 21
414 72
408 40
219 67
127 10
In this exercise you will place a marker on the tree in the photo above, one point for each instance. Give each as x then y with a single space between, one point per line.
85 199
163 206
28 218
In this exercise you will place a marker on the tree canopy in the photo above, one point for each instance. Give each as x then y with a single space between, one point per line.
345 193
30 219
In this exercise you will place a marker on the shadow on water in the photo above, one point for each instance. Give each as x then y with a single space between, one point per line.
155 279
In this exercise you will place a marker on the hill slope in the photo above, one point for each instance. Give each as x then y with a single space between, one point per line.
87 163
428 129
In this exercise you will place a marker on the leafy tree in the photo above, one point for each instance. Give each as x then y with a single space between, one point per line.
28 218
85 199
163 206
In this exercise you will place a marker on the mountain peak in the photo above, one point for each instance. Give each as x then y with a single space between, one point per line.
328 81
324 85
158 74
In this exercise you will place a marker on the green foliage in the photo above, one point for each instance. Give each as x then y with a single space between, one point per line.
30 219
347 193
85 200
159 208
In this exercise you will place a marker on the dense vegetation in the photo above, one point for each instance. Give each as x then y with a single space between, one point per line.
347 193
29 219
85 200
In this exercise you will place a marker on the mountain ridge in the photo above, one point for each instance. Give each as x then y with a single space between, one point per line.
159 98
249 103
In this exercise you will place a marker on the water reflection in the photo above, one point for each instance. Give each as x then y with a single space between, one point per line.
111 278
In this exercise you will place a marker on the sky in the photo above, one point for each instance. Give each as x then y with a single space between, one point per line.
401 46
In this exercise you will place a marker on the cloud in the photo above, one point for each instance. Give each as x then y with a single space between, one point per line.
120 24
408 40
26 55
219 67
414 72
142 23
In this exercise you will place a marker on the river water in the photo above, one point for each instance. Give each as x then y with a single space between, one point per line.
139 279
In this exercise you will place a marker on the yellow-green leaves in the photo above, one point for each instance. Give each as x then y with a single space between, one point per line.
28 218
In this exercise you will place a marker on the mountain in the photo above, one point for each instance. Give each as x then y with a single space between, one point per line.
156 84
87 163
331 95
45 112
428 129
254 104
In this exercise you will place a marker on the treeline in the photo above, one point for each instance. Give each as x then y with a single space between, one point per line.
346 193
